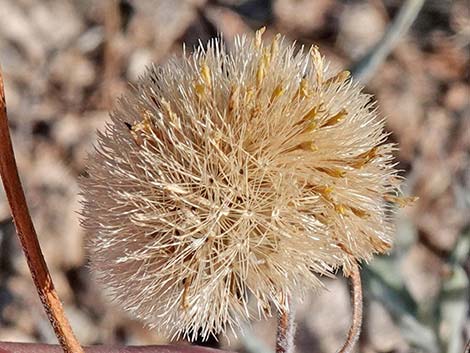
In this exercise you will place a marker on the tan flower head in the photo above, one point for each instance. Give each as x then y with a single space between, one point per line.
228 175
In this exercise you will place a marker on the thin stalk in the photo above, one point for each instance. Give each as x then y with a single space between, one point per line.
28 238
355 329
112 23
285 330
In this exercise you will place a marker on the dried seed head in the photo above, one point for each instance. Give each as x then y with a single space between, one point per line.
224 175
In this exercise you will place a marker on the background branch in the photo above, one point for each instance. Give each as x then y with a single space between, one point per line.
365 68
28 238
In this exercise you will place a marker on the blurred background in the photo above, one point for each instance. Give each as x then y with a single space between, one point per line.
65 63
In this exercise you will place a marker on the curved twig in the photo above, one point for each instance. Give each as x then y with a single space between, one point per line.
355 329
286 326
28 238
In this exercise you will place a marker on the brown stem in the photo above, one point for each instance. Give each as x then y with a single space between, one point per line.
28 238
355 330
285 330
7 347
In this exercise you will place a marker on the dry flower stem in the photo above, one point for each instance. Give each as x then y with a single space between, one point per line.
286 326
28 238
355 330
285 331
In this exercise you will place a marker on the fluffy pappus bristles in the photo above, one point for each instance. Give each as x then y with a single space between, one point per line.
229 175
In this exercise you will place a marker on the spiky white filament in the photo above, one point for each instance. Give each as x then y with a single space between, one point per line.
224 175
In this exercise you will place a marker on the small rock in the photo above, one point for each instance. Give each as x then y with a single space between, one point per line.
72 70
227 21
138 62
360 27
15 335
327 314
56 21
384 336
304 16
458 97
421 270
83 326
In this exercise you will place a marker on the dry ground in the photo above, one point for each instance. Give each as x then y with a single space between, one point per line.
65 62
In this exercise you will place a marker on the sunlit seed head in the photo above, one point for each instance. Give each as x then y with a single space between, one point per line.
225 176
